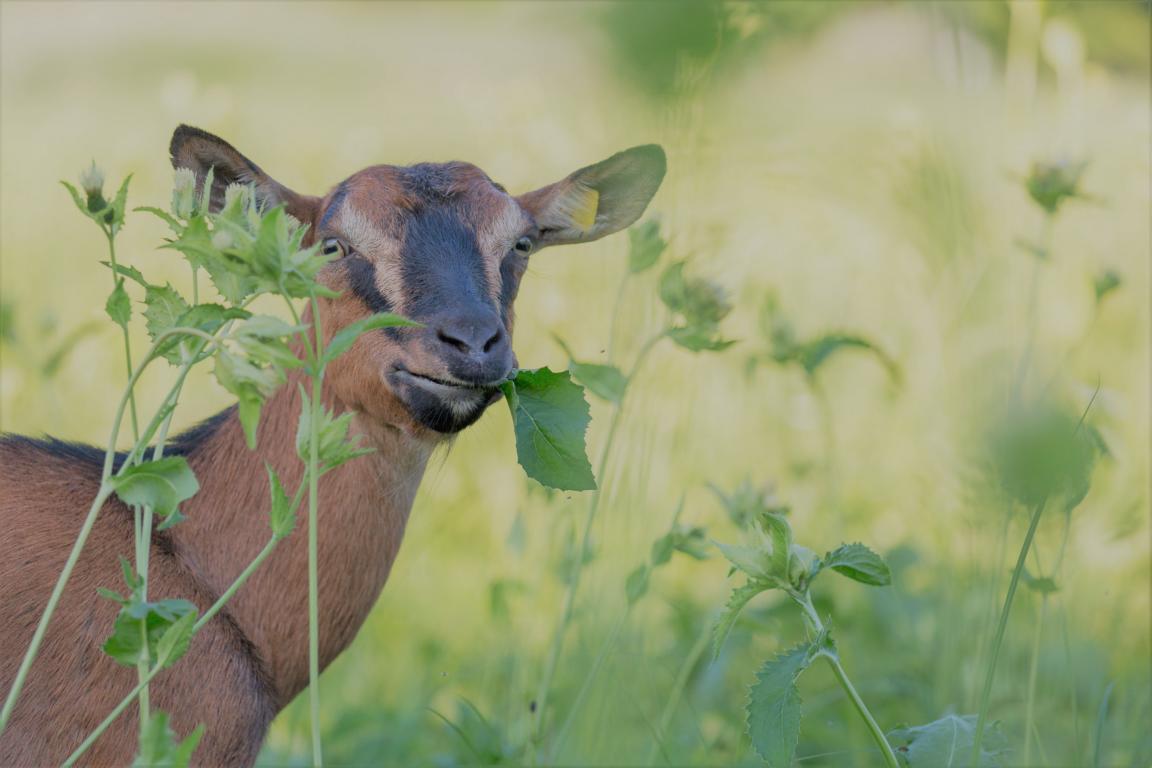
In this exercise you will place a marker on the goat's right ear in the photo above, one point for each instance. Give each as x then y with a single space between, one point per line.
199 150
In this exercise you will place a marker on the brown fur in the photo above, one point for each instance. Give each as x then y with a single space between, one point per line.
251 660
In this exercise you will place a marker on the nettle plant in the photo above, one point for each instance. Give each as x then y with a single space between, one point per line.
771 560
695 308
247 251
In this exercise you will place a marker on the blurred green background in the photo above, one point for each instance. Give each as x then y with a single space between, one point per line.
862 161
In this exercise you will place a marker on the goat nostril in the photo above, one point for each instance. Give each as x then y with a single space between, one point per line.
452 341
493 341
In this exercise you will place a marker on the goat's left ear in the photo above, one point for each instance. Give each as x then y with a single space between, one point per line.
199 150
597 200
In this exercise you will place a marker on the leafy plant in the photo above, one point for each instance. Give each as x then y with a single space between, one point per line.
770 561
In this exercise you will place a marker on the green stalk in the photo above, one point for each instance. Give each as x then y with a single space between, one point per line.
1033 670
833 658
143 684
313 537
678 686
89 521
585 542
117 281
990 675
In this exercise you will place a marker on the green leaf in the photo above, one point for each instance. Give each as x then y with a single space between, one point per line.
699 338
126 271
947 743
119 306
164 216
645 245
663 548
636 585
752 561
125 644
334 447
551 417
859 563
344 338
736 602
175 640
281 516
774 706
118 207
1044 585
163 308
813 354
160 484
159 747
604 381
250 383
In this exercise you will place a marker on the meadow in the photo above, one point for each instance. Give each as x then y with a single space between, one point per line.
931 224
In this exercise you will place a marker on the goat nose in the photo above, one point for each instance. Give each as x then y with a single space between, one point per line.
474 338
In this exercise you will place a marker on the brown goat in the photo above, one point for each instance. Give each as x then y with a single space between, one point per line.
439 243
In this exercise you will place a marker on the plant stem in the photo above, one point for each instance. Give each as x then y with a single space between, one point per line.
118 281
990 675
678 686
313 536
585 542
89 521
862 710
1033 670
805 602
1033 296
160 663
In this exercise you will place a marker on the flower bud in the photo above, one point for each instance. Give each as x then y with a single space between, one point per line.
92 182
184 194
236 195
1051 182
221 240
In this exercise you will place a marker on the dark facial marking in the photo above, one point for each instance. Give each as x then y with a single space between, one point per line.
429 183
361 275
511 271
334 206
441 263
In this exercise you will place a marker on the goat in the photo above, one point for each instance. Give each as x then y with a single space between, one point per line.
440 243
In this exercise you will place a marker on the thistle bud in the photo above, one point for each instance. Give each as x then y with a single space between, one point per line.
221 240
236 196
92 182
1050 183
184 194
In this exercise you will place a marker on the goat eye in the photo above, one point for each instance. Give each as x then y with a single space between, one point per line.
524 246
332 247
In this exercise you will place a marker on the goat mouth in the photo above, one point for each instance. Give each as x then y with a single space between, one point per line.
446 386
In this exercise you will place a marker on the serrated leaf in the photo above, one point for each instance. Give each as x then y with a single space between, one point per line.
126 271
281 516
159 747
164 307
334 447
752 561
162 484
947 743
607 382
551 416
645 245
774 706
736 602
858 563
164 216
175 640
344 338
126 643
119 306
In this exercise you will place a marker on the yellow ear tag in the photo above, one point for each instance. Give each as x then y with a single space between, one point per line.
584 202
